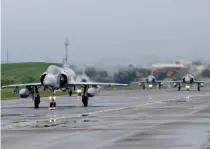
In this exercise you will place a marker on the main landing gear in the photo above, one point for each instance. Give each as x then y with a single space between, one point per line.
143 86
52 103
36 98
198 87
179 87
85 97
159 85
70 92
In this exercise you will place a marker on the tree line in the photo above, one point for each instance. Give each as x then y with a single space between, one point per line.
124 75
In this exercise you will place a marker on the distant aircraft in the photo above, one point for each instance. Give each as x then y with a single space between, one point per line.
150 81
188 79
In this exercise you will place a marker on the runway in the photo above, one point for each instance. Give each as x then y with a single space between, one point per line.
160 119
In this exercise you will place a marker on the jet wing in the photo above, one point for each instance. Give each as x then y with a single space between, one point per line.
141 81
97 83
177 81
202 82
160 81
17 85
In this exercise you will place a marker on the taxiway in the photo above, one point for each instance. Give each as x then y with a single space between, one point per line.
124 119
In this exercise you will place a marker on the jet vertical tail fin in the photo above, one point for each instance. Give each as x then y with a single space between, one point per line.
64 64
65 60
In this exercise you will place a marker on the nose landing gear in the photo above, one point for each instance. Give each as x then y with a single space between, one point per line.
52 103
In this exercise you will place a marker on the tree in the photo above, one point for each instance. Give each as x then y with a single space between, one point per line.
5 81
102 73
206 73
91 72
197 63
161 76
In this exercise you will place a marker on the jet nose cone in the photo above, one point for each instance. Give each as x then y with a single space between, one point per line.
49 80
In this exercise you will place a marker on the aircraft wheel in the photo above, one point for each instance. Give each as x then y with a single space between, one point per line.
52 104
179 88
85 100
36 102
70 92
198 88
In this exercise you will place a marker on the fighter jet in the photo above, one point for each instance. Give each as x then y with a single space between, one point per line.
60 78
150 81
55 78
188 80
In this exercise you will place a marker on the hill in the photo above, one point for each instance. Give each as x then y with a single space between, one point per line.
22 72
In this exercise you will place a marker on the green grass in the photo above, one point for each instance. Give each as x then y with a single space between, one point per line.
6 115
22 72
16 73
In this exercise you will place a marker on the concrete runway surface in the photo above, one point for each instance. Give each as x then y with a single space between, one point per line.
151 119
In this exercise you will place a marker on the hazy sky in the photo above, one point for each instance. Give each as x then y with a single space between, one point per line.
105 30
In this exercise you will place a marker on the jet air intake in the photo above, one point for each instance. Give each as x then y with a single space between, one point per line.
150 80
63 80
42 78
191 80
184 81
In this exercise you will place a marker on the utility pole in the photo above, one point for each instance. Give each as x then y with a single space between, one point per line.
7 56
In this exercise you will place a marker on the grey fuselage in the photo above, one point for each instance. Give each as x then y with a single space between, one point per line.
56 78
188 79
151 79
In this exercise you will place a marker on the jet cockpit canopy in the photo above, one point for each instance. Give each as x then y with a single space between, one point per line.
52 69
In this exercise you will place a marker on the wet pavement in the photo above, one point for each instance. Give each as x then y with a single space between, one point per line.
123 119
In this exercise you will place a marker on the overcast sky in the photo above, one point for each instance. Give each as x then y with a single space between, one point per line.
137 31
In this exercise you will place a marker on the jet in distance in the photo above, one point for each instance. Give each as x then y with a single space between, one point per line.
188 80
